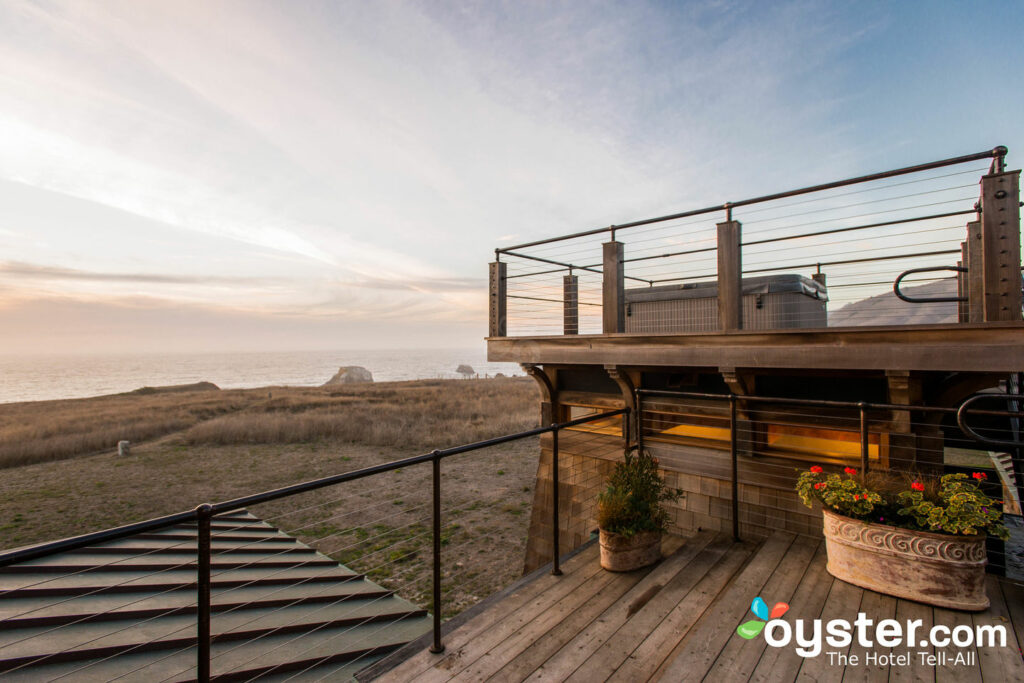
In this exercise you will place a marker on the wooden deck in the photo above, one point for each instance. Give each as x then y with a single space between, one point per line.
677 622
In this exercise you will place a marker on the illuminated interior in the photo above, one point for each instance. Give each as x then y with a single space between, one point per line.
609 425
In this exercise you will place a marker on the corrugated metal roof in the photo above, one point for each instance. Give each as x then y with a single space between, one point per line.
127 609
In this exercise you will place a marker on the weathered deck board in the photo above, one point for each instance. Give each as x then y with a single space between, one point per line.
998 664
677 621
697 652
646 658
575 652
918 671
949 671
629 636
782 664
738 659
875 607
842 603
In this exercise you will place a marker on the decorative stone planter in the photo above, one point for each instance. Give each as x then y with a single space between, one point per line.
622 554
937 569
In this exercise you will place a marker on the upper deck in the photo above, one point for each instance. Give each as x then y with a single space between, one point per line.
913 269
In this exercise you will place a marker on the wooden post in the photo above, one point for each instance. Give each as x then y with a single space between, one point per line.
975 275
570 304
730 278
962 314
613 303
498 300
1000 244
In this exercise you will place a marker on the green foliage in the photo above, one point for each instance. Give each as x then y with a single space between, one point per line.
961 509
846 496
953 505
632 500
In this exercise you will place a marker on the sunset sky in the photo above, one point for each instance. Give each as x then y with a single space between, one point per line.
221 175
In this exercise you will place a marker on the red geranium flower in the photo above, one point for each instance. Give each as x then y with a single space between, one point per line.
819 484
816 469
849 470
917 486
980 475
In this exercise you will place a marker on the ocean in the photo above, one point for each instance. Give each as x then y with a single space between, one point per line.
39 378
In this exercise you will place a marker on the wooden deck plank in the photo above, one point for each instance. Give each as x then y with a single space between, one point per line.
998 663
543 642
949 671
1013 598
842 602
917 671
626 639
521 605
782 664
649 589
648 655
876 607
739 657
696 652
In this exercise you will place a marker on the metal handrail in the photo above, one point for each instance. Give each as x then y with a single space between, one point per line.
997 154
203 514
917 300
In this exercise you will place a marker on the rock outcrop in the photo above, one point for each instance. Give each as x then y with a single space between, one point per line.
175 388
350 374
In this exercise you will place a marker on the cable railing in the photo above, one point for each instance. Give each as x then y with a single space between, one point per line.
324 595
823 256
755 444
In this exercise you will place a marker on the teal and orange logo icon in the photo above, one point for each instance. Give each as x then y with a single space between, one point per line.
751 629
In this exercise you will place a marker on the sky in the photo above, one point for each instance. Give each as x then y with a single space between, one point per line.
242 176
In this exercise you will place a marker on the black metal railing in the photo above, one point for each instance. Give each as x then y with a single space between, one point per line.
863 418
578 284
203 515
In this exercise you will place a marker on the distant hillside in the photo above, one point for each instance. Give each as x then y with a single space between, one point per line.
886 309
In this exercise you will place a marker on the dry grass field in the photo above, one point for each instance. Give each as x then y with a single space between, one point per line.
204 446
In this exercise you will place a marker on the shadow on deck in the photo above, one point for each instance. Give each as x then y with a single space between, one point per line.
677 621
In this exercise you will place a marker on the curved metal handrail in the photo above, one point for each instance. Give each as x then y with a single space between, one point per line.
961 420
932 269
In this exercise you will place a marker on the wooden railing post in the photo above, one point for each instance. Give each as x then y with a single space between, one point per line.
613 302
498 300
1000 245
730 277
975 275
571 304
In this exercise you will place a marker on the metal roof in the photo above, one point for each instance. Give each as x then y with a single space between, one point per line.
127 608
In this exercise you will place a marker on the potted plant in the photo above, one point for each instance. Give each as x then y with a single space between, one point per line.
907 535
630 514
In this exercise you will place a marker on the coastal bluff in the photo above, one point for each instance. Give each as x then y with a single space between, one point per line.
350 374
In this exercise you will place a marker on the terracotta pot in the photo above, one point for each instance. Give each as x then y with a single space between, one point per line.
622 554
937 569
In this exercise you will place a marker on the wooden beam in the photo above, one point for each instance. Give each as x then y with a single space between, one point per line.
962 315
730 278
986 347
1000 240
975 275
613 312
498 300
571 304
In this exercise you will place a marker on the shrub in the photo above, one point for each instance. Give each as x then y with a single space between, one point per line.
952 504
632 500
